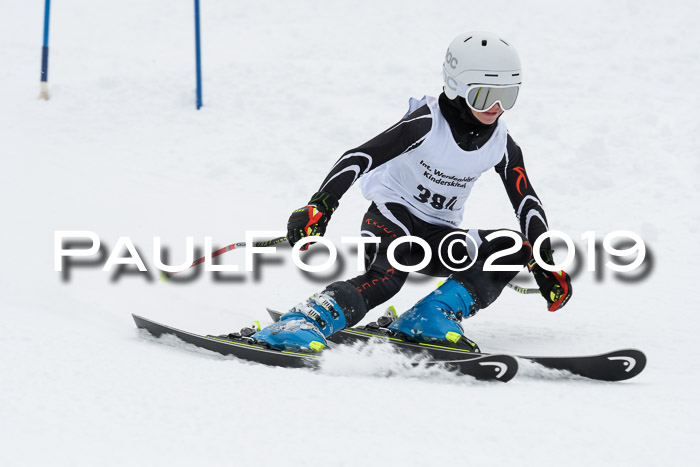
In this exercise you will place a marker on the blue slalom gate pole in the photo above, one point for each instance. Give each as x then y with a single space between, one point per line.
44 93
198 53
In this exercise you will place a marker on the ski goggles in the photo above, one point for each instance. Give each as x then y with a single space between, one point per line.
481 97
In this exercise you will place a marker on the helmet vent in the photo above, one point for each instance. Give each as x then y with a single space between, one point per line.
465 40
505 43
484 42
493 76
515 74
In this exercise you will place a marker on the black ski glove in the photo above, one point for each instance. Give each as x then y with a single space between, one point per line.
555 286
312 219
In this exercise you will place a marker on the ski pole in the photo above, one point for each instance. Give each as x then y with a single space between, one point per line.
523 290
164 276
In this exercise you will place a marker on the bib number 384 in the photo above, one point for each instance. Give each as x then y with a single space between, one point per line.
435 200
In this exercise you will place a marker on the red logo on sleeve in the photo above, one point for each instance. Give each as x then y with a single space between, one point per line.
521 177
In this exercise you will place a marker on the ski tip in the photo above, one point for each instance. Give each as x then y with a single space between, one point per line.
500 368
618 365
628 363
505 367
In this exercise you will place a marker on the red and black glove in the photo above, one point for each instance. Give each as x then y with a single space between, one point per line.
555 286
312 219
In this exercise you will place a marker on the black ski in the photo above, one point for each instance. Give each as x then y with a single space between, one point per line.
485 367
618 365
242 348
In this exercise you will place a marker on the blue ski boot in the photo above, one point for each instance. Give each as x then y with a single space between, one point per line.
306 326
436 317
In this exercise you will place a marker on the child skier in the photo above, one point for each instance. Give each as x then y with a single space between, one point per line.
418 174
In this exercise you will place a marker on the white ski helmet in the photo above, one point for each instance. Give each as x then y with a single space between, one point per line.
480 57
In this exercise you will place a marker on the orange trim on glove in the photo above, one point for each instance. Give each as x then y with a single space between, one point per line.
561 278
314 216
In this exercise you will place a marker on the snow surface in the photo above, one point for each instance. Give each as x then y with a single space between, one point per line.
608 123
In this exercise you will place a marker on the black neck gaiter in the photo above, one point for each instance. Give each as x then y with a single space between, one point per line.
469 133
